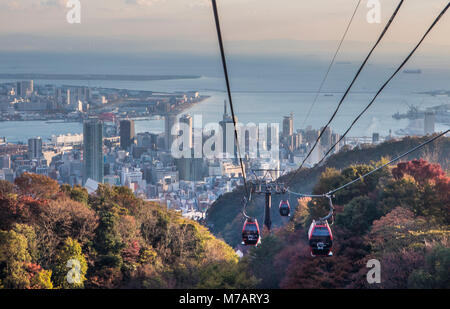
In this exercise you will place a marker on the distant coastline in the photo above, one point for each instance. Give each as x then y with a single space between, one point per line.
109 77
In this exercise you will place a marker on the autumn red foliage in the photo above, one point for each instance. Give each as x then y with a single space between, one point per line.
421 170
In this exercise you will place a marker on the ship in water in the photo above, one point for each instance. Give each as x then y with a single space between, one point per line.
441 113
412 71
413 113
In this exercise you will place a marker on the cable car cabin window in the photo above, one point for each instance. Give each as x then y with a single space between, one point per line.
251 228
321 231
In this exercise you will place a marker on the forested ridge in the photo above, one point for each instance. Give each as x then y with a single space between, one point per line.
110 239
225 219
399 216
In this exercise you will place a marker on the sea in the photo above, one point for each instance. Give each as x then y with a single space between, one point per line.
264 88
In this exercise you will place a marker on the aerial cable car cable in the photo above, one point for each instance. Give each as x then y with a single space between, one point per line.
227 81
360 178
246 202
320 236
388 163
349 87
387 82
250 231
331 65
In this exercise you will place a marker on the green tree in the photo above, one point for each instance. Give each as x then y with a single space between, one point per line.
70 266
358 215
79 194
226 275
14 256
261 259
435 274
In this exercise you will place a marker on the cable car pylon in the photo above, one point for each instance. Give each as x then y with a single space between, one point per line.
268 187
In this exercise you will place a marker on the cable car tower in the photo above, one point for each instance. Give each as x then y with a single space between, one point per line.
268 186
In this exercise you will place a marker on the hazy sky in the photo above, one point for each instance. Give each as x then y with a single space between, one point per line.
188 25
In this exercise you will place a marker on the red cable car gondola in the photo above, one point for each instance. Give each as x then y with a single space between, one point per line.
320 238
285 208
250 232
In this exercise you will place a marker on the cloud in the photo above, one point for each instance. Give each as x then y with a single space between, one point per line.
200 4
33 4
53 3
143 2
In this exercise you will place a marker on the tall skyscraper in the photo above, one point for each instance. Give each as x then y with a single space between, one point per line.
126 133
170 120
34 148
24 88
325 140
19 91
93 150
30 88
288 131
187 120
227 121
288 125
68 97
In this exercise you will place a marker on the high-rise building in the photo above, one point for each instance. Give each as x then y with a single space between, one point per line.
170 120
429 121
190 169
81 94
288 132
326 138
310 135
126 133
19 91
34 148
187 120
227 122
5 162
88 94
58 97
24 88
30 88
68 97
334 140
288 125
147 140
93 150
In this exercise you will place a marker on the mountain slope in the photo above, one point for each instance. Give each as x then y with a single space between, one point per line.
224 217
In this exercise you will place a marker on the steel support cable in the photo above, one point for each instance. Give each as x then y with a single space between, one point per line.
387 82
331 65
388 163
246 201
348 88
227 81
360 178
